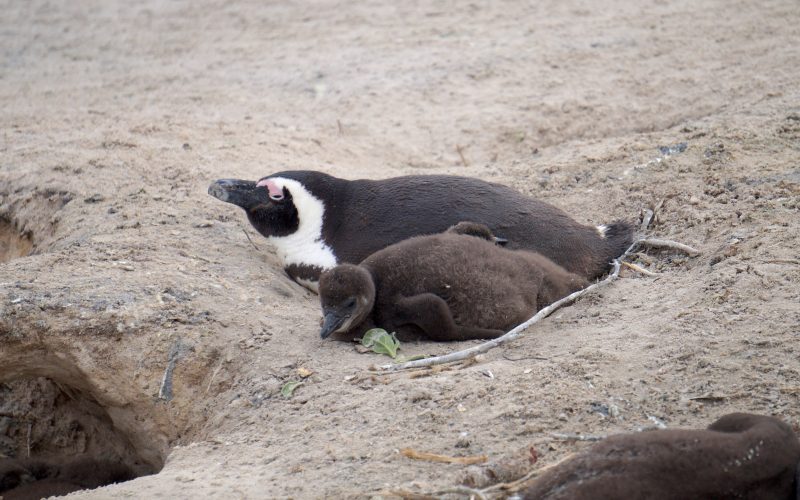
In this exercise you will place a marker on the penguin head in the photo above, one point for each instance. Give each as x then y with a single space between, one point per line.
347 294
269 203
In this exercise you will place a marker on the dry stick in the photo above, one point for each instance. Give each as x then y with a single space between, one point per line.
523 358
214 375
657 243
435 457
646 219
520 483
638 269
248 238
543 313
460 151
30 428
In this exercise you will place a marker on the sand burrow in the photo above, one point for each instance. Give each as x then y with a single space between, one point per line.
12 243
28 220
50 412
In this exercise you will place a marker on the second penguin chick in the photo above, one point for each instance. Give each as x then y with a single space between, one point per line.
446 286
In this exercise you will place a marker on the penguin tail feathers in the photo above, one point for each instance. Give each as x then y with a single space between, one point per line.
619 236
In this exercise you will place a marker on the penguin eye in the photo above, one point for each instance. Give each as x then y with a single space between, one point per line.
276 196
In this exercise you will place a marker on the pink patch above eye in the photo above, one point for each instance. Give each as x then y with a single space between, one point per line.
272 188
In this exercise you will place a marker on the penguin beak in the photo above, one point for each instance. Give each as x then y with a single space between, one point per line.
331 323
235 191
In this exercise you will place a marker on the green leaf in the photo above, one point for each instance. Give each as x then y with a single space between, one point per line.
368 340
381 342
387 344
289 387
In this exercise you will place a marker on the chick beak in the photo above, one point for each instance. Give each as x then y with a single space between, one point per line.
332 321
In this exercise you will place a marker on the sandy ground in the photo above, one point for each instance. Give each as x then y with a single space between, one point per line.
117 115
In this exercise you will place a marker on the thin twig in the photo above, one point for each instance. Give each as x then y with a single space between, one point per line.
518 484
436 457
638 269
190 256
248 239
523 358
674 245
30 428
427 371
460 151
646 220
214 375
658 206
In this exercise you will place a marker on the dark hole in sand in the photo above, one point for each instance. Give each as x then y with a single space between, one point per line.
55 439
13 244
28 220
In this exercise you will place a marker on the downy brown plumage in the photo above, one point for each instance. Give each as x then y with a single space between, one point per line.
444 287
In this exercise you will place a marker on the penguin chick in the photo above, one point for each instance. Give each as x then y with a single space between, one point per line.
443 287
739 456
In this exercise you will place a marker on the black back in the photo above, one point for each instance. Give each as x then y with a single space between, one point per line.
364 216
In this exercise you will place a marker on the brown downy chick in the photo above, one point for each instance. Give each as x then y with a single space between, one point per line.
443 287
740 455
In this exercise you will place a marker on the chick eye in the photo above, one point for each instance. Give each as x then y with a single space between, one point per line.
351 302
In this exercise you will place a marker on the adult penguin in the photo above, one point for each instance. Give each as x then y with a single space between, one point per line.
317 221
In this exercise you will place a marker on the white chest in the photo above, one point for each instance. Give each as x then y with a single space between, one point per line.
305 246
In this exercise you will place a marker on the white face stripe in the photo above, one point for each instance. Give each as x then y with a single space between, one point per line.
304 246
601 230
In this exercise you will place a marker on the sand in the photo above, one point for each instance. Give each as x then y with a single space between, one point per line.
116 116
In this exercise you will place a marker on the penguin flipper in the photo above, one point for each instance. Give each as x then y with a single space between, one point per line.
432 315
